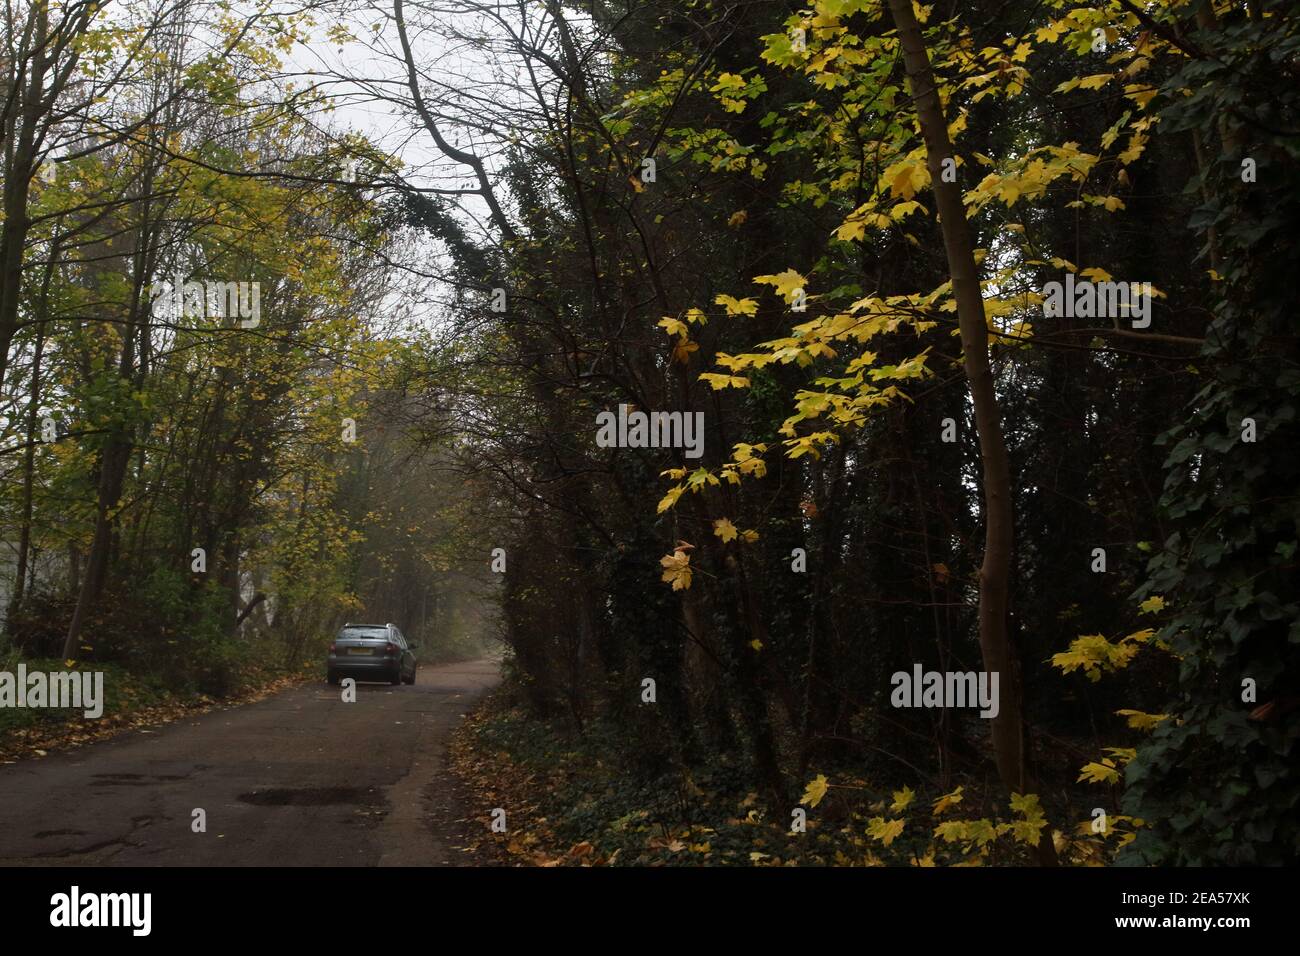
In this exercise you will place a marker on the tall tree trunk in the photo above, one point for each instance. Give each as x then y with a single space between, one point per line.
29 453
999 519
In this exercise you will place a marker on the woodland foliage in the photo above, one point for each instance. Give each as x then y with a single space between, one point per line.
826 227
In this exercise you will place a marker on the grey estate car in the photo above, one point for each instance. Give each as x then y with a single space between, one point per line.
373 652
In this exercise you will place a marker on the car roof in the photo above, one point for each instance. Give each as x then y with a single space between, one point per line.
379 626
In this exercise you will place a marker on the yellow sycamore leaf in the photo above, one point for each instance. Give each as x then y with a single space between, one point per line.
1122 754
1139 93
677 569
1151 605
1141 721
737 306
756 644
1049 33
906 178
903 209
1096 81
947 800
682 350
1099 275
1135 147
974 833
902 798
901 184
737 218
728 82
720 381
1093 654
672 326
787 283
749 537
850 229
815 791
701 477
1026 804
886 831
1103 772
1027 831
724 529
670 499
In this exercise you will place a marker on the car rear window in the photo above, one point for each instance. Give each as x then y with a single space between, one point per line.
367 632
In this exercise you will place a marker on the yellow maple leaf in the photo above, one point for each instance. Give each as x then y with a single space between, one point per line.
677 569
725 530
1151 605
1096 81
850 230
670 499
815 790
787 283
901 184
886 831
1142 721
672 326
947 800
902 798
736 306
1103 772
721 381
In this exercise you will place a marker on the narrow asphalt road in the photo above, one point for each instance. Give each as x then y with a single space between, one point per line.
298 779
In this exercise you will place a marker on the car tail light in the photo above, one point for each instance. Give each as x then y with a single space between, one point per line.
390 649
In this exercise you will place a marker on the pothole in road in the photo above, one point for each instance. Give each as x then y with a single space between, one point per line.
312 797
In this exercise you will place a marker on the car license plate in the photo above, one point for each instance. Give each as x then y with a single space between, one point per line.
359 650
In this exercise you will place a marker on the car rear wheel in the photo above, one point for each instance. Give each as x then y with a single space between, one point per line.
397 675
412 680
